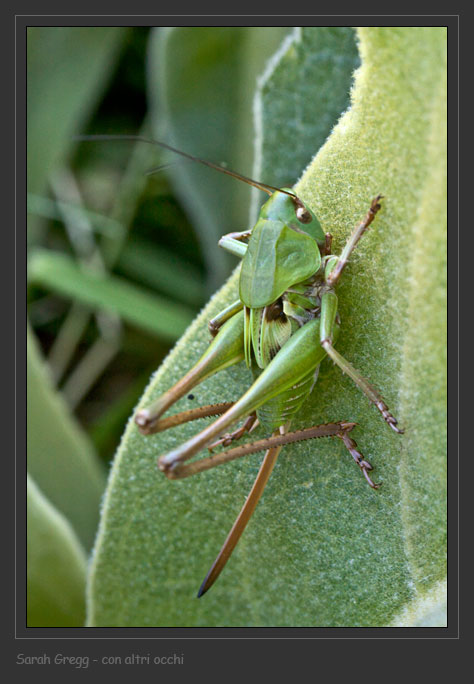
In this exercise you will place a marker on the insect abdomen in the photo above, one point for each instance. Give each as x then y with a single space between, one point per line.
283 407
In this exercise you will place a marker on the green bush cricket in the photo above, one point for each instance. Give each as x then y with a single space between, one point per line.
283 325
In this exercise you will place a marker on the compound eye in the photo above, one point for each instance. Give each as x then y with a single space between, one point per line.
303 215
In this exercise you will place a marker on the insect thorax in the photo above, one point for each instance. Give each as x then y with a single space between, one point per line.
270 327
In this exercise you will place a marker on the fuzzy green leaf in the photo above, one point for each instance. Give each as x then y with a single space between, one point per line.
298 104
322 547
56 566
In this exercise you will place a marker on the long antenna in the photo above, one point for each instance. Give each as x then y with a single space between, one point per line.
269 189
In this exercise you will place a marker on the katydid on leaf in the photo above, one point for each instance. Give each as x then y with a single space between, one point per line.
283 325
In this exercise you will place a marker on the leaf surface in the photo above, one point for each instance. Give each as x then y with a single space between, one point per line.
61 459
322 549
56 566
